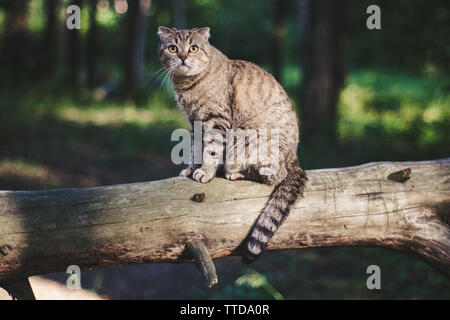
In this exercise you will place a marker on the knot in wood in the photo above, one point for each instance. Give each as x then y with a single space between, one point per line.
400 176
5 249
198 197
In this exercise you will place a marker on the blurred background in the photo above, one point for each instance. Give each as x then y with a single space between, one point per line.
92 107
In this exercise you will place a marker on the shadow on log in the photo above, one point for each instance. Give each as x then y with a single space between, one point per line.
46 231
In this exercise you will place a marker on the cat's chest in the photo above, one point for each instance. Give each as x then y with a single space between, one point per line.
198 105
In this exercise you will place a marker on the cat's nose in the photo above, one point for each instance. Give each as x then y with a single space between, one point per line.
183 58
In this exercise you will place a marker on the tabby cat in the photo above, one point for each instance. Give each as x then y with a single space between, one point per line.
226 95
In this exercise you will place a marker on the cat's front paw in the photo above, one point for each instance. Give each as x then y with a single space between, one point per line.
202 175
185 172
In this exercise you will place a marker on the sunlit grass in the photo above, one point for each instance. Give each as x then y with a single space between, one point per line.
256 280
20 165
121 114
394 105
106 116
19 169
159 110
437 109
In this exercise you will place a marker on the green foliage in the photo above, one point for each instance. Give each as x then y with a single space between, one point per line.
36 20
107 18
256 280
407 115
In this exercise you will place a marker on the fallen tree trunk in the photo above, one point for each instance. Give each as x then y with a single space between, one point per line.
376 204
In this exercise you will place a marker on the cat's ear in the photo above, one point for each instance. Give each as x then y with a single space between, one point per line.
164 32
204 32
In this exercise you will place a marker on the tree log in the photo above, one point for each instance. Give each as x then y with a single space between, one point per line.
46 231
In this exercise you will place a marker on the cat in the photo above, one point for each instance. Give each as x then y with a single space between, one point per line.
226 95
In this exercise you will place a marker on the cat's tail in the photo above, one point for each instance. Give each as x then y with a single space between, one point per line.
275 211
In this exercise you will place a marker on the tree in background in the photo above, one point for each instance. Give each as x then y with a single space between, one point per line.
137 18
73 52
322 23
49 45
92 44
279 30
179 13
15 39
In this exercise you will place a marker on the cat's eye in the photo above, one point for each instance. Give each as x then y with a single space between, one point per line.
193 49
173 49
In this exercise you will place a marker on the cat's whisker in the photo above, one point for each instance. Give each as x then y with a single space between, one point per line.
160 77
167 76
152 75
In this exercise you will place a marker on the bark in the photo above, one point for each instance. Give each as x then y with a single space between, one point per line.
46 231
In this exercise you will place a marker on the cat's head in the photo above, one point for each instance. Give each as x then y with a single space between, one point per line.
184 52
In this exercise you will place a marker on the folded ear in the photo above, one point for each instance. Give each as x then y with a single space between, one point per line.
204 32
164 32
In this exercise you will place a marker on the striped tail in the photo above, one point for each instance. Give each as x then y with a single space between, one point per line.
275 211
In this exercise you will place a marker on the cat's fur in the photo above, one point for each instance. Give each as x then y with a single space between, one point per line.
232 94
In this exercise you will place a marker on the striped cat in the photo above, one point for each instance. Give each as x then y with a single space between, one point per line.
229 95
